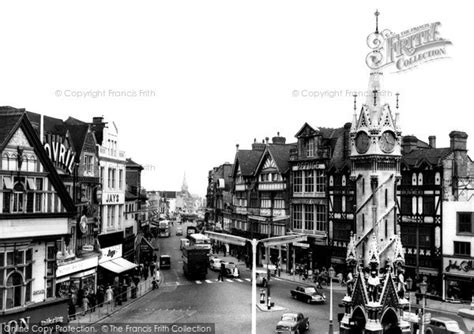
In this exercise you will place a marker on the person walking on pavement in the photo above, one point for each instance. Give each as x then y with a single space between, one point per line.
85 304
152 268
109 295
221 272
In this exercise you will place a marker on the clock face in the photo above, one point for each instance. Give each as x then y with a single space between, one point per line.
387 141
362 142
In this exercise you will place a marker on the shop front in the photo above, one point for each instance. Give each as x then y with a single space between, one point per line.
113 265
80 274
458 279
145 250
129 244
46 314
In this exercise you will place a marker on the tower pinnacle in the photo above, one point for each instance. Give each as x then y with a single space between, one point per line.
184 187
377 13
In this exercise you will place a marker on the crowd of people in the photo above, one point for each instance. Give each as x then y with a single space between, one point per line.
114 292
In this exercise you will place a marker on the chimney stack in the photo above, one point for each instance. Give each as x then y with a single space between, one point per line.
432 141
278 139
98 120
266 140
409 143
458 140
237 147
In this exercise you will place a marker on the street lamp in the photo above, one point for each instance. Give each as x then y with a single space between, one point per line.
235 240
423 286
331 276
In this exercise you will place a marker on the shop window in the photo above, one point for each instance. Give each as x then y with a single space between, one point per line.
15 278
50 270
462 248
465 222
14 287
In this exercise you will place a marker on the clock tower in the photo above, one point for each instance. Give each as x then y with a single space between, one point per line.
375 167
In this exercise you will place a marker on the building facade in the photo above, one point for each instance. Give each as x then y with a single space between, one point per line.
35 211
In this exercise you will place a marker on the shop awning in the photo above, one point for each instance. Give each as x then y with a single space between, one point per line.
118 265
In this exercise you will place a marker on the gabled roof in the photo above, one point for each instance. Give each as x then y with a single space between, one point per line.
10 118
17 118
433 156
50 124
78 135
247 160
281 156
306 130
132 164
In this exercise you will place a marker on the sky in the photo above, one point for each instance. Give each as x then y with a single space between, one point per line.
185 81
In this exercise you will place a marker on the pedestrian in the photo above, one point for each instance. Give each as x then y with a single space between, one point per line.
109 295
155 257
145 271
85 304
225 250
152 268
92 301
221 272
71 309
100 296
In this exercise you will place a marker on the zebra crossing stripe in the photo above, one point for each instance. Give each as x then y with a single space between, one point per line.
198 282
228 280
276 278
248 279
208 281
238 280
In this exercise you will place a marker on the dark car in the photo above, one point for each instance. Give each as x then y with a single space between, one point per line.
294 323
165 262
442 325
308 294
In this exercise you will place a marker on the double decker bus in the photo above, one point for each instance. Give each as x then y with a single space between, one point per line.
164 229
199 240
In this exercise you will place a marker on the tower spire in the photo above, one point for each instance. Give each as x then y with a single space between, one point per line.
377 13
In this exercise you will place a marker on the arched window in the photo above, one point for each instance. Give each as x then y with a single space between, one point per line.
18 197
14 290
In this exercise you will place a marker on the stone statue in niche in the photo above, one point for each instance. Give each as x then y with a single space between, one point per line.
373 281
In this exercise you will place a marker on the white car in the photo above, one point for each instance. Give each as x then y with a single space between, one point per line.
215 263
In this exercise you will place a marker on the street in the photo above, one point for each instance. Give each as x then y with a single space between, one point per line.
226 304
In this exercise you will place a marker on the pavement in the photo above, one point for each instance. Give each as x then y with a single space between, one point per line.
431 305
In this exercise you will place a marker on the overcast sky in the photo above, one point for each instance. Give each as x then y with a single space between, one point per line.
217 73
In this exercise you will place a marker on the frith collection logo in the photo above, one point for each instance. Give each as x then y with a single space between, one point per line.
407 49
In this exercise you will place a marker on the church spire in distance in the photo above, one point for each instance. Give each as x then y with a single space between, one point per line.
184 187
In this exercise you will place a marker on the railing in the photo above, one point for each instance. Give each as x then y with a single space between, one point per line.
95 313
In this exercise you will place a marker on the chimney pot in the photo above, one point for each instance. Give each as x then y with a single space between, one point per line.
458 140
266 140
237 147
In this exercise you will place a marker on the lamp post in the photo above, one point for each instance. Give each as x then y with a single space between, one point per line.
331 326
235 240
423 286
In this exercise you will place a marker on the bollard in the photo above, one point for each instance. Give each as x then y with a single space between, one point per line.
269 305
262 296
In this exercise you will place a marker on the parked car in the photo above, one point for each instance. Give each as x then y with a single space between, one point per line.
179 230
308 294
165 262
292 323
215 263
442 325
231 270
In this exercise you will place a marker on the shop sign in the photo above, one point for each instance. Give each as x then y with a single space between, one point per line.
38 292
52 321
87 248
58 152
76 266
110 253
113 198
308 165
300 244
458 266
